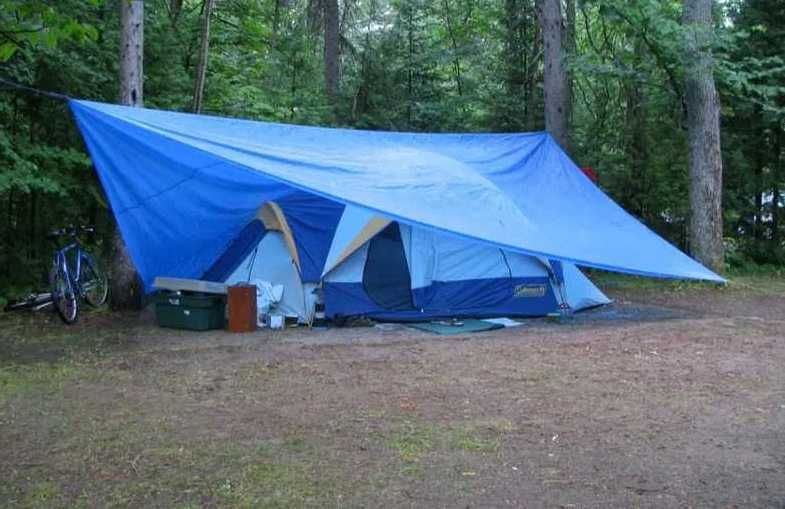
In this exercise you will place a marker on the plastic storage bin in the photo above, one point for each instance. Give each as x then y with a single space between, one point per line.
195 311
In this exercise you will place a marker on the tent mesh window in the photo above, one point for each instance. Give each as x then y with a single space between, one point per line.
386 277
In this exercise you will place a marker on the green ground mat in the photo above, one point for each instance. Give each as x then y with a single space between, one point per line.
445 330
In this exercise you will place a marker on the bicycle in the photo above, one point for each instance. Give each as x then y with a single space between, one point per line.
80 278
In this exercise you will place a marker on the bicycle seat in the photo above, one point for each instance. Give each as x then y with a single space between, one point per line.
55 233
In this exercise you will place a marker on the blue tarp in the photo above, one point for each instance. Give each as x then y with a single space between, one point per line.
182 186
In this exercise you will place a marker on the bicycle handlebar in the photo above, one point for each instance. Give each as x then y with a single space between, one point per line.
71 231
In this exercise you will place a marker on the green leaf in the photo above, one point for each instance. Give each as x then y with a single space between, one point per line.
7 50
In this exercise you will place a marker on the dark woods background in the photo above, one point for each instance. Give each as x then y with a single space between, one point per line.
440 65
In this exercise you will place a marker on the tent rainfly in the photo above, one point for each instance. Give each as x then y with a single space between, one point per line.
389 225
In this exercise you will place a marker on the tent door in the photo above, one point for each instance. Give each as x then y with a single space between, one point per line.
386 277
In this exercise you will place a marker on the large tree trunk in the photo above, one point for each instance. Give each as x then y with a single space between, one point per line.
131 52
125 285
703 130
332 57
204 50
570 49
556 87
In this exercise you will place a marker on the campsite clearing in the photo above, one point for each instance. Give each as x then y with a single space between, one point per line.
673 397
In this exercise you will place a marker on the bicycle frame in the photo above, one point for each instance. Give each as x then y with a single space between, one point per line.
61 257
73 277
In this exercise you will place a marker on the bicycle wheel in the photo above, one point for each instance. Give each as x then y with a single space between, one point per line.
93 281
63 294
34 302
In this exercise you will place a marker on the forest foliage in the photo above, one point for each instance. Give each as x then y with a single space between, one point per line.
413 65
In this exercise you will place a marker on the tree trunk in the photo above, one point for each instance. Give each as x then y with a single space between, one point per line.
518 49
456 61
131 52
332 65
757 157
557 94
279 6
531 65
636 147
570 49
776 195
204 51
175 8
703 131
410 66
757 217
125 285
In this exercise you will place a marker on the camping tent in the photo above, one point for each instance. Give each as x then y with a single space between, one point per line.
390 270
183 187
383 269
268 261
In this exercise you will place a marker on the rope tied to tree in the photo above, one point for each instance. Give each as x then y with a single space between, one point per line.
35 91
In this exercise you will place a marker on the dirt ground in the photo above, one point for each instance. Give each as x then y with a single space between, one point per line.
674 396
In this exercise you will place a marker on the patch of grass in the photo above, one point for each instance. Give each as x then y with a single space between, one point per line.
42 494
33 344
42 377
480 436
762 284
295 444
251 376
226 474
412 441
470 440
618 281
750 268
264 478
269 484
766 282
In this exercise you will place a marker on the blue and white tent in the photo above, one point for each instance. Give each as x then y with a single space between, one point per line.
484 224
385 269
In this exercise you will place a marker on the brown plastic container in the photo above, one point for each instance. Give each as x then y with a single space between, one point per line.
241 304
